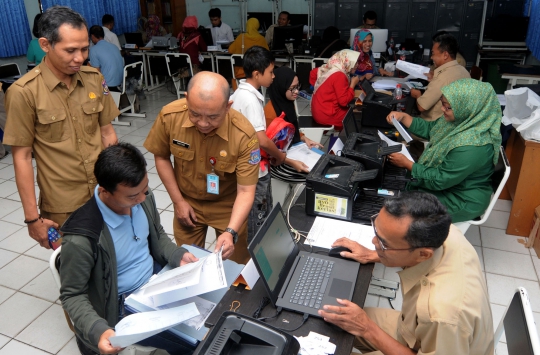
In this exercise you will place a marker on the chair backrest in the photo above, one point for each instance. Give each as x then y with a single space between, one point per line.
519 326
237 60
134 70
498 180
54 264
476 73
317 62
178 61
8 70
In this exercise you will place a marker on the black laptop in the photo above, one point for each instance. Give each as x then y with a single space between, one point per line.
298 280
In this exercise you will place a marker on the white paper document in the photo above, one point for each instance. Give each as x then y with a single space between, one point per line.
139 326
401 130
337 147
325 231
302 153
390 142
415 70
186 281
385 84
315 344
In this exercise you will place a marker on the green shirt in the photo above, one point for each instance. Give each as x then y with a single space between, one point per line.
34 54
462 182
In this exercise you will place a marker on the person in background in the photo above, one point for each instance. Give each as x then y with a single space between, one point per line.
366 67
35 54
61 112
443 54
463 148
191 42
220 31
283 20
244 42
107 22
459 57
105 59
334 88
331 43
283 92
369 21
446 309
153 28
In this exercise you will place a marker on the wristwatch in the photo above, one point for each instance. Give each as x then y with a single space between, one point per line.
234 234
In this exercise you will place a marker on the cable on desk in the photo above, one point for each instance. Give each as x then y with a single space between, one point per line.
297 234
304 320
390 301
263 303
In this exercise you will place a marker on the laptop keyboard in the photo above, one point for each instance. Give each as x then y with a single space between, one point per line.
309 290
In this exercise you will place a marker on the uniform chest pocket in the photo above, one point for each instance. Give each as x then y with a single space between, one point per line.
225 169
90 118
184 159
52 126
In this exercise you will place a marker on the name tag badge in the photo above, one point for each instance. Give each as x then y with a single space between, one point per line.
180 143
212 184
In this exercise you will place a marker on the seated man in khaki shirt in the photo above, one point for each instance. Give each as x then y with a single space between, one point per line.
445 300
443 54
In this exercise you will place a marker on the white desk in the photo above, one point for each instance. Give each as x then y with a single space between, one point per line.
523 78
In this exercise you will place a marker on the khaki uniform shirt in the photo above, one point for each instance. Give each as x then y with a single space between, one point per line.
234 145
445 302
62 126
443 75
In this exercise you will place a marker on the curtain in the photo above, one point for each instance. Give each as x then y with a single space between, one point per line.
533 35
14 28
125 12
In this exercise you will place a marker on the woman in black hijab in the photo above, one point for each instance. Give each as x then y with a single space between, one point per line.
283 91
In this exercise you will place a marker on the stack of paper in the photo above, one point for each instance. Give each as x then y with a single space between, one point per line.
301 152
415 70
315 344
325 231
390 142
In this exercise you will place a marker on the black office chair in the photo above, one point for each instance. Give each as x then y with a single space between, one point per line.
7 70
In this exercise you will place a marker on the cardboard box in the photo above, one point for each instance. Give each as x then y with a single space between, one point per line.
534 236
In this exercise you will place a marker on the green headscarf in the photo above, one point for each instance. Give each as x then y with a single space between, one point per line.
477 122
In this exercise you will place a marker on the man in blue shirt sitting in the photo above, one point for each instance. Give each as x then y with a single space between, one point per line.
106 58
111 246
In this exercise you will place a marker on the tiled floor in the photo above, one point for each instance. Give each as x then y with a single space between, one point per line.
31 318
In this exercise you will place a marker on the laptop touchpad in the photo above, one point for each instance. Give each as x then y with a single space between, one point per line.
340 289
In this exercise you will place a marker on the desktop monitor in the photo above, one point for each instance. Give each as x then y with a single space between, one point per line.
134 38
206 34
379 39
287 34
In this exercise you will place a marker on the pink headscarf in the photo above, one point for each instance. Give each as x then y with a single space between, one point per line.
189 33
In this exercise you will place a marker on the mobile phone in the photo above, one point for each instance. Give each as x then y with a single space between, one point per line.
53 236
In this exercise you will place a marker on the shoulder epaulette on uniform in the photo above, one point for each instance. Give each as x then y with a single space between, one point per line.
175 106
89 69
240 121
26 78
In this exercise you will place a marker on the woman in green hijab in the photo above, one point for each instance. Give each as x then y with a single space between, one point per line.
462 151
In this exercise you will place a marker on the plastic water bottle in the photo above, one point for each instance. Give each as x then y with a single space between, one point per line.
398 92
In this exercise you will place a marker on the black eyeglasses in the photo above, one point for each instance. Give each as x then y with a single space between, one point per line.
295 88
381 243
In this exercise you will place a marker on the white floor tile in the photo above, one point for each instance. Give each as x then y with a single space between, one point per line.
39 252
6 257
391 273
501 349
497 312
16 347
38 334
70 348
503 205
501 290
498 239
18 242
4 340
167 219
131 139
9 159
5 293
7 172
20 271
141 132
509 264
473 235
536 263
8 206
372 301
7 228
147 156
153 181
480 256
497 219
18 312
378 270
150 166
16 217
7 188
43 286
142 149
163 200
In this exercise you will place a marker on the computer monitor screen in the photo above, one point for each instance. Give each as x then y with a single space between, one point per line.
349 123
134 38
287 34
206 34
379 39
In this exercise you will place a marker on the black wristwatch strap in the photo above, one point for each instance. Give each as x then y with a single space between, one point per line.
234 234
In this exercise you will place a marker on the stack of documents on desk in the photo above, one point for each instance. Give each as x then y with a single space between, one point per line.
302 153
414 70
315 344
325 231
385 84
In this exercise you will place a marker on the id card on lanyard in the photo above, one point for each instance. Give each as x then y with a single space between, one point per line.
212 180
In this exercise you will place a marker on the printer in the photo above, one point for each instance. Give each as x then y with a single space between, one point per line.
333 184
371 151
237 334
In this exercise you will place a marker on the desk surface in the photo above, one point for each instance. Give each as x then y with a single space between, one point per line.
249 300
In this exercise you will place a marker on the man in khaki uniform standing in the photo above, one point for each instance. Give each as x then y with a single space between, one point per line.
62 112
445 307
444 51
216 165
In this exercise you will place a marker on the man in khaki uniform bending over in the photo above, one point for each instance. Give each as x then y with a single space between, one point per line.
445 307
62 111
216 165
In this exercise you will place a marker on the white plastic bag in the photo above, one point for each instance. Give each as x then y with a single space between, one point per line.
523 112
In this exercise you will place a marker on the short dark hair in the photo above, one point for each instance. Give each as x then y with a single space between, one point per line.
55 17
121 163
286 13
97 31
35 29
371 15
215 12
447 43
257 58
439 33
430 220
107 19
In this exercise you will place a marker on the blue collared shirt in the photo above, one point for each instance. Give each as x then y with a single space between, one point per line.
107 58
130 236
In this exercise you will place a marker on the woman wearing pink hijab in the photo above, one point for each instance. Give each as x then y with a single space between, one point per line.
191 42
153 28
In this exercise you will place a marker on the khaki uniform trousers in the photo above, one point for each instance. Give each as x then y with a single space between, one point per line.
387 320
217 215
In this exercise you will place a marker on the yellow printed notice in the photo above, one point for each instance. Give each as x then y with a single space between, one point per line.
331 205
